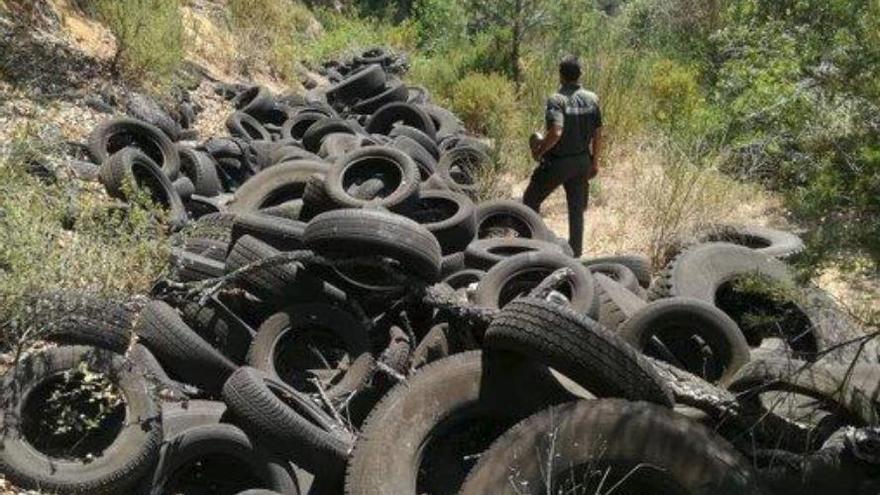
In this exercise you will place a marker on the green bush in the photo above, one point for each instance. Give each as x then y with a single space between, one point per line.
346 34
485 103
442 24
66 235
149 35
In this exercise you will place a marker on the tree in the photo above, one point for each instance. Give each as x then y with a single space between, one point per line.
522 17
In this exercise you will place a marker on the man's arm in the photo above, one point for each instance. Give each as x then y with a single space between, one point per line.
596 151
554 134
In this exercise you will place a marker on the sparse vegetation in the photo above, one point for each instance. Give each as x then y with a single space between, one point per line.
63 234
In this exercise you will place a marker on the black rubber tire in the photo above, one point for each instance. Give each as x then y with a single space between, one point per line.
348 330
161 385
180 349
148 110
382 121
296 127
121 464
220 327
184 187
255 101
399 175
244 126
209 248
116 134
444 398
616 303
463 279
446 122
418 95
178 417
315 134
621 274
215 226
499 287
854 389
362 84
280 233
201 170
450 216
338 144
270 283
291 153
394 91
294 427
276 184
462 167
427 164
632 437
512 216
186 266
130 164
259 491
483 254
71 317
772 242
223 440
290 210
315 198
683 318
346 233
418 136
812 324
576 346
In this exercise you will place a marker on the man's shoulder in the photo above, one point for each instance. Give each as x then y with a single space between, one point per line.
588 95
557 100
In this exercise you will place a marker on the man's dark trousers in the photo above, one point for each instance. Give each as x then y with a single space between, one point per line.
571 173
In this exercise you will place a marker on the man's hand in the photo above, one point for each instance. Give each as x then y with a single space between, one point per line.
594 169
541 146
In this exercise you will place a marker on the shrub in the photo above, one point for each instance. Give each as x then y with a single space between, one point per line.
442 24
149 35
63 235
346 34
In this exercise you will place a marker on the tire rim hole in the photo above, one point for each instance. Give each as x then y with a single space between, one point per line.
122 140
608 476
216 474
363 170
302 349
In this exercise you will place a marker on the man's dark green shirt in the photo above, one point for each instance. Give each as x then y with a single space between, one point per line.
577 111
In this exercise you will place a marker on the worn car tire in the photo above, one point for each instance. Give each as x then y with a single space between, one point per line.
483 254
277 184
116 134
397 172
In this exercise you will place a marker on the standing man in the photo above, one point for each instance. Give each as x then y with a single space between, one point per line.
568 155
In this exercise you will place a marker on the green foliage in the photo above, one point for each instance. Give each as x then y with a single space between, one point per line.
484 102
65 235
347 35
442 24
273 33
149 35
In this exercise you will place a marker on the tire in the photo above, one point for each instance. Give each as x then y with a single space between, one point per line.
315 198
70 317
290 210
616 303
338 144
280 233
361 84
124 460
220 327
161 385
394 91
215 226
316 132
398 172
181 349
461 168
244 126
191 267
806 319
209 248
463 279
772 242
418 95
116 134
639 264
446 122
509 218
451 217
270 283
292 426
130 164
291 153
267 348
255 101
433 347
619 441
485 253
596 359
275 185
426 163
201 170
418 136
346 233
208 442
442 400
146 109
517 275
852 391
621 274
675 321
184 187
178 417
382 121
296 126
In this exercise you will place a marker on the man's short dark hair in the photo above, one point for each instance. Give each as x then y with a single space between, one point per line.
570 68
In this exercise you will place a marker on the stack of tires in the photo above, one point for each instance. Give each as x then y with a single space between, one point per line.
351 319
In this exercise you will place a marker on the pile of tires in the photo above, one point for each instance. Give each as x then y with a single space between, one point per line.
351 319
